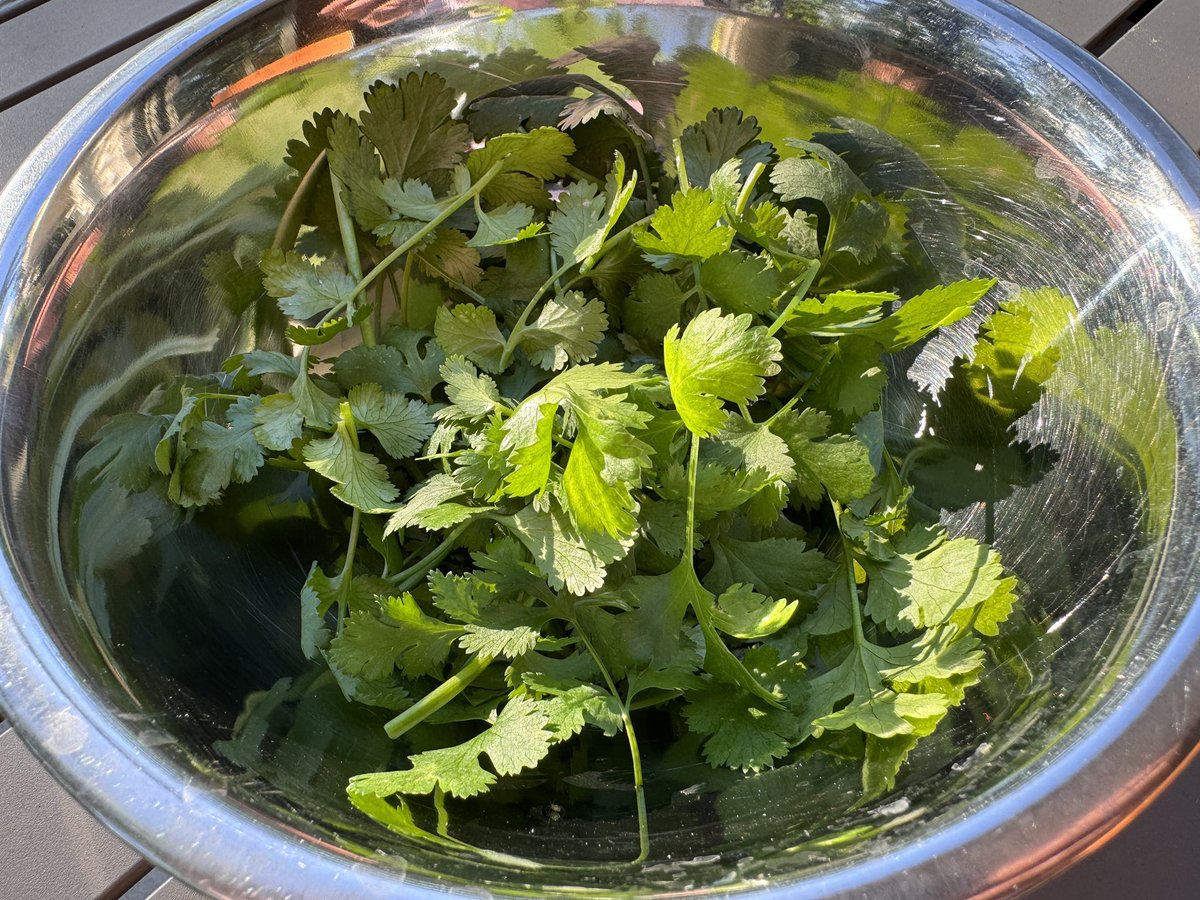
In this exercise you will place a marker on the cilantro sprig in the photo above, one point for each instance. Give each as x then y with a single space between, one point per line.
604 434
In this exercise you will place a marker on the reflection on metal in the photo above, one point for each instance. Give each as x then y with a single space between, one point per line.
1012 158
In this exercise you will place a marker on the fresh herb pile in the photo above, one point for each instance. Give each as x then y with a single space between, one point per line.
604 434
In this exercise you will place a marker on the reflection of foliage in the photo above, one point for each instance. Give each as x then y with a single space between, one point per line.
966 450
1112 384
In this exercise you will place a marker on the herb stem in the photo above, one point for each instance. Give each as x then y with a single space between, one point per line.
816 373
610 242
698 287
457 203
799 287
852 586
638 788
353 261
693 467
293 215
438 697
405 287
631 736
514 336
680 166
579 175
748 189
346 578
410 576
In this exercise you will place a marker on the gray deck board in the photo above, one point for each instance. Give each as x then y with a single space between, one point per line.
50 847
23 126
56 39
1158 59
1080 20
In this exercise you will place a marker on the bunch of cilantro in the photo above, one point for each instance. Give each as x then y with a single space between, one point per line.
604 434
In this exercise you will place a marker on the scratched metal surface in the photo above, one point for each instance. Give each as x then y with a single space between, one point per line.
1085 30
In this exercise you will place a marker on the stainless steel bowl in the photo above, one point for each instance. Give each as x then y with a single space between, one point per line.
128 645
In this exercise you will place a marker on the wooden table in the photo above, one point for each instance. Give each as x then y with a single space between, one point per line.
53 51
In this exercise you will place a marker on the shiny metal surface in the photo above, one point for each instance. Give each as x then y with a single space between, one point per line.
1025 159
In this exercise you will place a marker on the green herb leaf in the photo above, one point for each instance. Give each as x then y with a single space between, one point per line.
717 358
686 230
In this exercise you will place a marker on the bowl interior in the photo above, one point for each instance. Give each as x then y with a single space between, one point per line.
1007 166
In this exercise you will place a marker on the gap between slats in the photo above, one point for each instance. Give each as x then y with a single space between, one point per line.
1120 28
91 59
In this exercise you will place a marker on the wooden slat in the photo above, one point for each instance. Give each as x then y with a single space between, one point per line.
1080 20
23 126
10 9
1158 58
57 39
50 847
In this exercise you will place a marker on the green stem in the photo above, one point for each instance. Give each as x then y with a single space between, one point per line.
800 288
438 697
610 242
693 467
457 203
579 175
353 260
443 818
808 382
852 585
748 189
634 752
293 215
346 578
405 282
410 576
698 287
680 166
514 336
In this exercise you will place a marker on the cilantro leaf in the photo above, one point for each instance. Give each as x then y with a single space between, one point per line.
360 479
356 165
448 254
526 162
928 311
407 361
567 330
518 739
577 223
124 450
686 230
742 732
741 283
724 134
400 425
304 289
562 555
508 643
427 497
717 358
929 578
470 331
777 567
504 225
472 396
655 305
746 615
410 124
839 463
